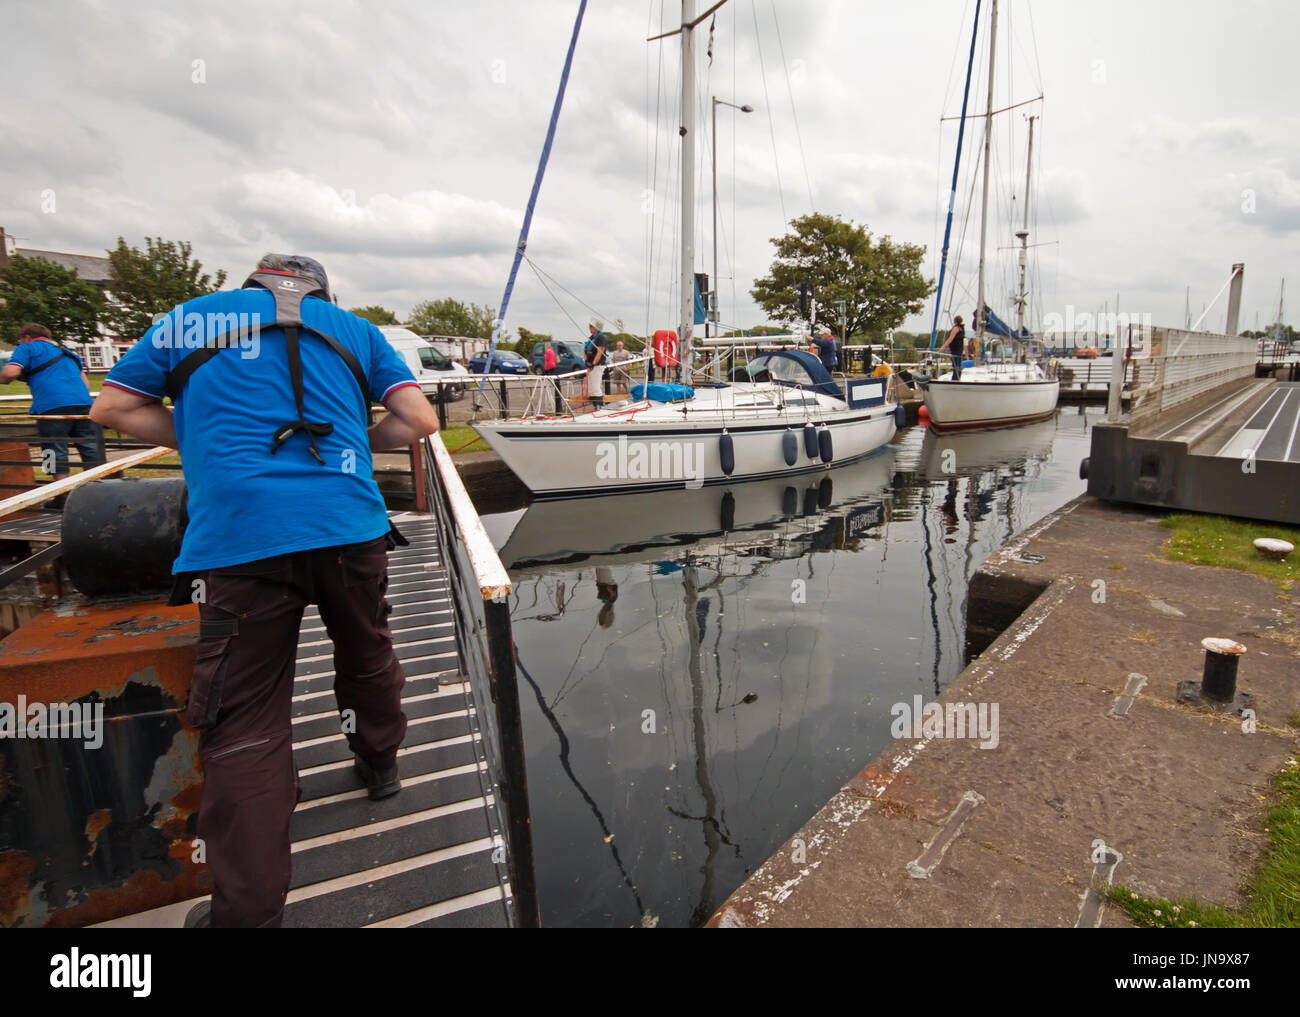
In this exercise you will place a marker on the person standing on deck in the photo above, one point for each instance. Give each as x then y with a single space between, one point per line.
271 419
594 353
827 350
957 340
59 388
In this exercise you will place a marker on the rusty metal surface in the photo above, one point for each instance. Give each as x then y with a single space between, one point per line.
92 832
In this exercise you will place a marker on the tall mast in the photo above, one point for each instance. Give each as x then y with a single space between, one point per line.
1024 235
686 335
956 165
984 210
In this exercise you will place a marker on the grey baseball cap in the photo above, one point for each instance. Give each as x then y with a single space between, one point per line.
298 264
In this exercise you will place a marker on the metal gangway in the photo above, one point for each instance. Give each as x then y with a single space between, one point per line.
1204 432
454 848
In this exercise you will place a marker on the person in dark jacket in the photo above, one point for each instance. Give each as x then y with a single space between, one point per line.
956 346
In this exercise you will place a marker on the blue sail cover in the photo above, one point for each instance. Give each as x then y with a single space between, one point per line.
993 325
700 316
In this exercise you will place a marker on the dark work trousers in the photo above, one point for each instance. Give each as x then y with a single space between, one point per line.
241 696
84 434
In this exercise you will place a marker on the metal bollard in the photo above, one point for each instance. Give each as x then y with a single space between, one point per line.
1218 685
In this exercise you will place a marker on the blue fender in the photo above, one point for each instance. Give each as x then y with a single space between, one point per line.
900 416
810 440
824 444
790 448
727 453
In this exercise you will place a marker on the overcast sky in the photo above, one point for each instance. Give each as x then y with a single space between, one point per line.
398 142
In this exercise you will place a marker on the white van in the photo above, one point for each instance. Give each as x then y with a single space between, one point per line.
427 364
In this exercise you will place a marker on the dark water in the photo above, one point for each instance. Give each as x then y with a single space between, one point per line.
704 669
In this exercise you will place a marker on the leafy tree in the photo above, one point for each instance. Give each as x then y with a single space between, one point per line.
376 315
528 340
879 280
451 317
33 289
150 282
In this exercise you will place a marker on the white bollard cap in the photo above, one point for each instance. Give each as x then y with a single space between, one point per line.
1270 547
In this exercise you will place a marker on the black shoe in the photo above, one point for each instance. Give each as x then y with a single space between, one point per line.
381 783
200 916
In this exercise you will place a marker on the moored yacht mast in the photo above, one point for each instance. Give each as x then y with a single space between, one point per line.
1024 237
981 312
687 130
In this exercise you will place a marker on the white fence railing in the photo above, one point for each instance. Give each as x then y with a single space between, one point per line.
1174 366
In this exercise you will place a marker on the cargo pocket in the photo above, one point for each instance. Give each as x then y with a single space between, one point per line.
365 577
210 666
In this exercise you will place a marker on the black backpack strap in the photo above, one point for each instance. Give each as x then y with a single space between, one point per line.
53 360
288 291
313 428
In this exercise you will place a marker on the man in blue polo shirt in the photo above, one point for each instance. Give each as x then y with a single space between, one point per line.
271 388
58 383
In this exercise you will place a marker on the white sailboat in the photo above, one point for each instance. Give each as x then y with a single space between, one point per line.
791 417
1008 388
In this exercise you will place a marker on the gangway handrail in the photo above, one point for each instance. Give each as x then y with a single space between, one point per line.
494 581
486 652
36 496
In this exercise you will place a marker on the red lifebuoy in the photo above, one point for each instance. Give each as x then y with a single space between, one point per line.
665 348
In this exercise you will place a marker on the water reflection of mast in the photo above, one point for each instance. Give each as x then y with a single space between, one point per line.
713 835
927 493
568 769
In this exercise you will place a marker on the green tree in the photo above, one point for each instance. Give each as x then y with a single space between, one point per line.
33 289
151 282
528 340
879 280
376 315
451 317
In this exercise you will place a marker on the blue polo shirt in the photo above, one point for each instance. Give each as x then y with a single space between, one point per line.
55 386
245 503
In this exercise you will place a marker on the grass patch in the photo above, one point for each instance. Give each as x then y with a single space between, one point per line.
1228 544
1272 893
456 435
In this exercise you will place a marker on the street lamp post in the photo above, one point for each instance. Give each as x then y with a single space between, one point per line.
709 311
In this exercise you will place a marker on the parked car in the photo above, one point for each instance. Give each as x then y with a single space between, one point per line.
568 354
428 365
503 362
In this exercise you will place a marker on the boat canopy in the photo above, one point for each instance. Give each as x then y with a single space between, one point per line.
794 367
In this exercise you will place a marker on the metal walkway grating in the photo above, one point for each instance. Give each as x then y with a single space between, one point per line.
423 858
42 526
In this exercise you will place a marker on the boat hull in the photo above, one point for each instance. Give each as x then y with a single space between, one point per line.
962 405
583 457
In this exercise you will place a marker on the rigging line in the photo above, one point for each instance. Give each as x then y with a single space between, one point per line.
767 102
1033 36
795 113
576 327
603 317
